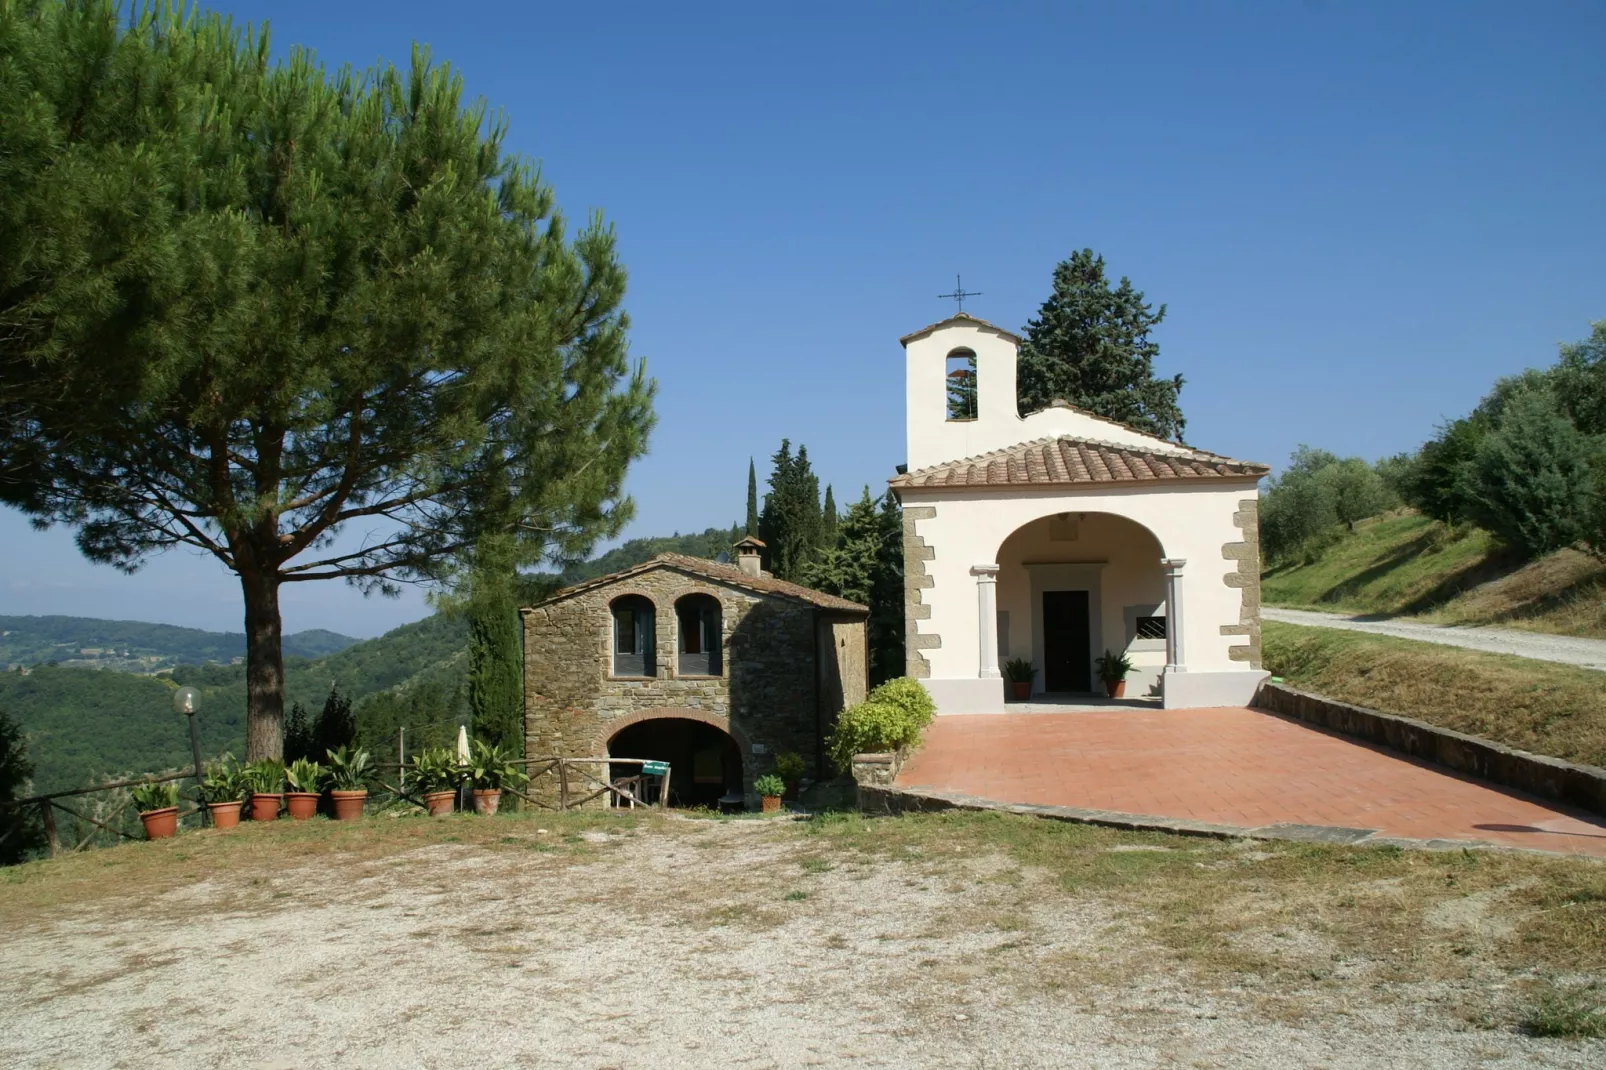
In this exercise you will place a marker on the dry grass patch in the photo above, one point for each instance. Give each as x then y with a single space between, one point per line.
1539 706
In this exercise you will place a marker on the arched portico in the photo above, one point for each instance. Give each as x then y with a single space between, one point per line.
1070 585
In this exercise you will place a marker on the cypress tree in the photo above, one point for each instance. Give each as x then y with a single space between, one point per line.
866 566
828 521
790 522
752 498
495 652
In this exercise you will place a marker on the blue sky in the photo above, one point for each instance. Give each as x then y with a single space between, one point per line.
1358 214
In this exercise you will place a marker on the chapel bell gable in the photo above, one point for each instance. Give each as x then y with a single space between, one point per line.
960 389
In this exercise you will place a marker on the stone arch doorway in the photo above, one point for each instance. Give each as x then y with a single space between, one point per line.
704 755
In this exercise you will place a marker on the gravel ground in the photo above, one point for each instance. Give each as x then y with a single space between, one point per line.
699 944
1567 650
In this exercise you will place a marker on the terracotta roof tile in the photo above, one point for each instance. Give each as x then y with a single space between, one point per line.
730 575
1067 461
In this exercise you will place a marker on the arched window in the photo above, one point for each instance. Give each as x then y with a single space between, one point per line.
701 635
634 627
961 373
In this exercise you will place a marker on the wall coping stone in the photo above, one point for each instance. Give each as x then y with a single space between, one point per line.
1583 786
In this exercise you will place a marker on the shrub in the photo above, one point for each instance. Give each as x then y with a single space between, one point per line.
789 766
21 831
891 718
436 769
491 766
224 781
348 769
770 785
1531 481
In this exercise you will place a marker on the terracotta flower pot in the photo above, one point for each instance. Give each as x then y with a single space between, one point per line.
224 815
486 800
1022 689
301 804
348 804
769 804
265 805
439 803
1115 688
160 824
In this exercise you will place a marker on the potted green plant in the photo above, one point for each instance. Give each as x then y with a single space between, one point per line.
264 779
789 766
348 782
1112 669
306 784
770 788
157 804
437 774
489 768
223 788
1020 674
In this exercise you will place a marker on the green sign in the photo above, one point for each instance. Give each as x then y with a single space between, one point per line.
654 768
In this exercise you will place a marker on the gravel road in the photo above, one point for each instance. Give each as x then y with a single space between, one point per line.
1566 649
714 946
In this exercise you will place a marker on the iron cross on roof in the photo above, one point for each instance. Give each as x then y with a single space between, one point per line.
959 294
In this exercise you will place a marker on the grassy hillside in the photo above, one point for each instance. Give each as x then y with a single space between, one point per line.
135 646
1538 706
1404 564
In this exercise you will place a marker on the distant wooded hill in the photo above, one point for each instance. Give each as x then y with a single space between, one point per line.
85 724
135 646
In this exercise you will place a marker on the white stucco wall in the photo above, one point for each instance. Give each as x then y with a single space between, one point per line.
971 528
934 439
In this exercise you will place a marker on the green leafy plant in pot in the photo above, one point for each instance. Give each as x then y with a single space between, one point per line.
223 788
348 782
158 808
264 779
770 788
490 768
437 773
306 784
1112 670
1020 673
790 767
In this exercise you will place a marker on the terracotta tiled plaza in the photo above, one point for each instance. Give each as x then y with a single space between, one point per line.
1231 767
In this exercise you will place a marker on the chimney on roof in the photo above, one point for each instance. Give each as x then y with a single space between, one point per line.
749 556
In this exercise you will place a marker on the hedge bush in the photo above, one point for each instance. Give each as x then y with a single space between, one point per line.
890 718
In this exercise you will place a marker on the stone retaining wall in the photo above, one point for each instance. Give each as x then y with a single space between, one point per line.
1583 786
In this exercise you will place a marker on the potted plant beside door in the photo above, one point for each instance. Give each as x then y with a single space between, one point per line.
1020 673
770 788
1112 670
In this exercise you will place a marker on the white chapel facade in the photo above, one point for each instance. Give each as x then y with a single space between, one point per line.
1059 535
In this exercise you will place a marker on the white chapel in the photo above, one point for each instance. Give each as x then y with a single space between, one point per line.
1059 535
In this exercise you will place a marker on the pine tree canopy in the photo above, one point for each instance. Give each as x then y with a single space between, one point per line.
1090 346
250 305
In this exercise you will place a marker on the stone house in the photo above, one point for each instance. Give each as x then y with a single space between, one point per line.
1055 536
711 667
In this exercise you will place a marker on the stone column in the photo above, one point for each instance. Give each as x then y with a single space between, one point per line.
1174 659
986 620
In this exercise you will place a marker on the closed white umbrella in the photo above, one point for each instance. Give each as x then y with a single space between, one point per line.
462 743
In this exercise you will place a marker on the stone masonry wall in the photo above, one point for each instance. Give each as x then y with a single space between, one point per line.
766 694
1246 577
915 555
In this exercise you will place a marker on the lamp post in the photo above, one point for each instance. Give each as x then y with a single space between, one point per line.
186 700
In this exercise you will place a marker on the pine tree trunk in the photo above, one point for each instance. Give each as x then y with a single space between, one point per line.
264 667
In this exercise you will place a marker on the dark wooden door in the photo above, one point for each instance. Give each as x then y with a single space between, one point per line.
1067 657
